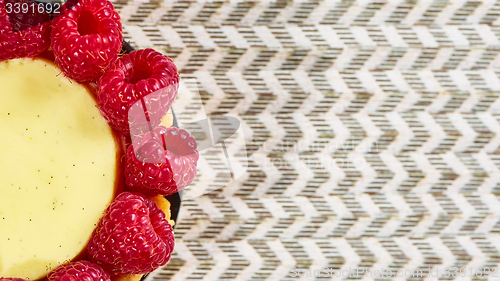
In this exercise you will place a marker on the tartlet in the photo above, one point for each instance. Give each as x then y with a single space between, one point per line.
133 236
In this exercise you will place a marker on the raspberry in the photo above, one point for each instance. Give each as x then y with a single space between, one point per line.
23 34
137 75
4 19
133 236
154 170
87 40
80 270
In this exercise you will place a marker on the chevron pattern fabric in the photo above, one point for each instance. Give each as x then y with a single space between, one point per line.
374 133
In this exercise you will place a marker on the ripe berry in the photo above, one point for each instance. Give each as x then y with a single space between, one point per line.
22 34
141 76
79 271
161 162
133 236
87 39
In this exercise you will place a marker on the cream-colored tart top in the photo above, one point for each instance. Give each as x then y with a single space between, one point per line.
57 168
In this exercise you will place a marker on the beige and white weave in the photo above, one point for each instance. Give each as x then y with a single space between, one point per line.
374 134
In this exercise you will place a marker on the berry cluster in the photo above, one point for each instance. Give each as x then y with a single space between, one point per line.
133 236
80 270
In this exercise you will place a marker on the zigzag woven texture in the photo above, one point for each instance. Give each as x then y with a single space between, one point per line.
374 133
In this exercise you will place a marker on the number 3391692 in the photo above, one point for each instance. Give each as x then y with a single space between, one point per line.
32 7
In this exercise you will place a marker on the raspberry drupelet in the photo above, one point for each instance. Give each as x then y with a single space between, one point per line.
79 271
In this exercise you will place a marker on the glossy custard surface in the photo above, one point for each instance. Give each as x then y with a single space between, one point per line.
57 168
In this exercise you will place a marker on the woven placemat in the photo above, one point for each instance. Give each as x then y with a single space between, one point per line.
373 135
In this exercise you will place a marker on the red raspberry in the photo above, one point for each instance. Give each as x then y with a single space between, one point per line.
87 40
4 19
143 75
79 271
133 236
154 170
25 33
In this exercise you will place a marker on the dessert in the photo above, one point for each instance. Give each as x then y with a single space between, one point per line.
53 165
67 209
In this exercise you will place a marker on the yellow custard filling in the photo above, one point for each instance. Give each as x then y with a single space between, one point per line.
57 168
